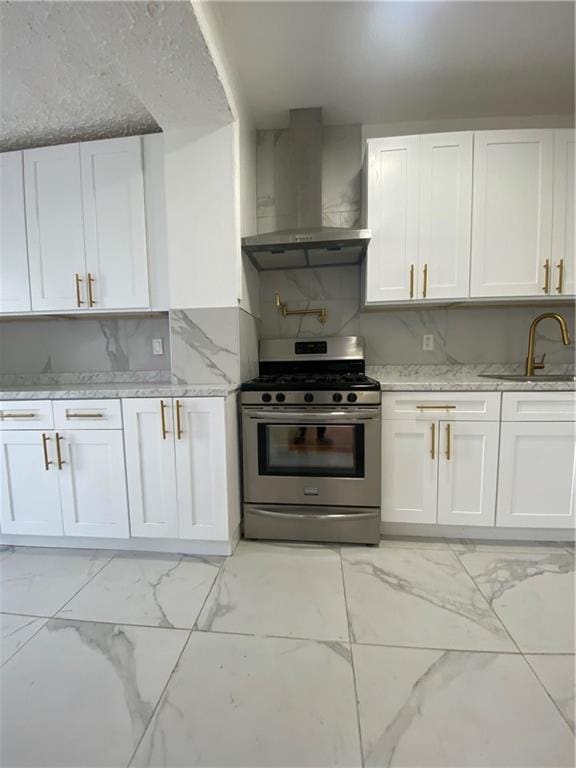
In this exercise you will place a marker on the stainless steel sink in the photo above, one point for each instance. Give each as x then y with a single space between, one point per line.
518 377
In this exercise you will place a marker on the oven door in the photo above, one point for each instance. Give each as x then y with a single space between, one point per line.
312 456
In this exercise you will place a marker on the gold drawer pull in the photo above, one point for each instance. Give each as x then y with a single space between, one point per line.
78 279
425 282
435 407
84 415
411 281
546 287
91 280
560 268
448 441
163 419
47 461
58 452
179 430
20 415
433 440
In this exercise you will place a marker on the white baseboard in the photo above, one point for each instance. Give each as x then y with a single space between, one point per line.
477 532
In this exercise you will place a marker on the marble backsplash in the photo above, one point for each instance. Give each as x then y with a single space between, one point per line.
462 335
55 345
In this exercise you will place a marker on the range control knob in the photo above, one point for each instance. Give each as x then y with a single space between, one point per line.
280 397
266 397
352 397
308 397
337 397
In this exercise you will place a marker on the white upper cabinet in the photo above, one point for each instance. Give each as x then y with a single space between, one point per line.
393 218
55 227
512 213
419 211
563 246
115 230
14 284
445 215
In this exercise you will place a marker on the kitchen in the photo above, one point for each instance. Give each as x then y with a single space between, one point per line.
362 280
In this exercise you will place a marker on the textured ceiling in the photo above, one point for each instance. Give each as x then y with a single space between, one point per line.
84 70
381 62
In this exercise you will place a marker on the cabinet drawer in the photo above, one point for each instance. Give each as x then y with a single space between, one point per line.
26 414
87 414
539 406
448 406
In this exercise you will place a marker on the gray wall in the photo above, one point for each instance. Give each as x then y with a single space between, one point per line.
81 344
394 336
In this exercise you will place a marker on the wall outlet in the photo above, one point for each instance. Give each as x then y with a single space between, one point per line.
428 342
157 346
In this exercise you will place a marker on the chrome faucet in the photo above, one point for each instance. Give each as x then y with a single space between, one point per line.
531 364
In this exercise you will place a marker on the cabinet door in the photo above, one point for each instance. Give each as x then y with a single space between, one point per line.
563 245
30 500
393 218
512 212
55 227
14 280
409 471
536 487
201 468
113 198
93 483
150 467
445 215
467 472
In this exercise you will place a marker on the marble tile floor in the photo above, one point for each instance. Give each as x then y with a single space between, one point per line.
417 653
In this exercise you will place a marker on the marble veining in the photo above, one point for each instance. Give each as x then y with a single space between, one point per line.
67 392
205 346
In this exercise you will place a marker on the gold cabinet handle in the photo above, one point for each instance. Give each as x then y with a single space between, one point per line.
20 415
179 431
433 440
47 461
439 407
425 281
79 301
560 268
58 451
411 281
84 415
546 288
163 419
91 280
448 443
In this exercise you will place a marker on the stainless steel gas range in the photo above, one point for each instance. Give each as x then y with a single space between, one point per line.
311 443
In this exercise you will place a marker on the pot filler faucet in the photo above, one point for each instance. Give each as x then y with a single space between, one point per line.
531 364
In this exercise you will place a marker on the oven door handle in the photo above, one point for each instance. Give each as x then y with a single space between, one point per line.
292 416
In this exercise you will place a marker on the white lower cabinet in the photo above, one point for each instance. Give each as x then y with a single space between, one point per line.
176 467
30 501
93 483
537 475
440 457
55 483
410 472
467 472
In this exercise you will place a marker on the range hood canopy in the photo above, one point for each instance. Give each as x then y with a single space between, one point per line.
308 244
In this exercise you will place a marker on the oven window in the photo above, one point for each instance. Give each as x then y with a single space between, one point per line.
334 450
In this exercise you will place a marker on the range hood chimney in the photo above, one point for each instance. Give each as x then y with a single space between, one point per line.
308 244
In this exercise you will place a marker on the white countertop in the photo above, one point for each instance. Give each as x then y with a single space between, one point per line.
463 378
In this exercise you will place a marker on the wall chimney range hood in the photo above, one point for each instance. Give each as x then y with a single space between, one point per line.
308 244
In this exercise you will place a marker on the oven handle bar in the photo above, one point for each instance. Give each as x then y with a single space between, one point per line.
292 416
312 515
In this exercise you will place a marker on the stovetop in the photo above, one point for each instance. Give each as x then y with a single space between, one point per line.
297 382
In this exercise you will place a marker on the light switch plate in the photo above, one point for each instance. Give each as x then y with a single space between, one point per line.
157 346
428 342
